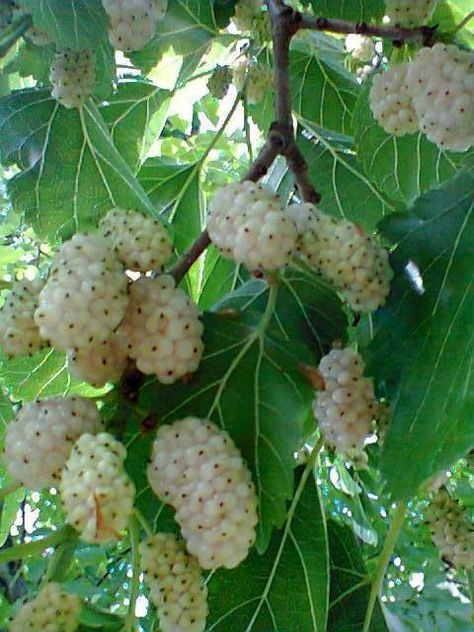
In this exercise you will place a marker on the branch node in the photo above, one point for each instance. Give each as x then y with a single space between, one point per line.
361 28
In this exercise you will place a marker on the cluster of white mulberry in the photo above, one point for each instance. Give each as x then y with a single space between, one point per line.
52 610
132 23
248 223
409 13
89 309
433 93
195 467
451 532
346 408
73 77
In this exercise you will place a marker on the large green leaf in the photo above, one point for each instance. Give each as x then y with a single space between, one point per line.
248 382
357 10
424 340
350 584
176 191
135 116
345 189
188 29
403 167
323 92
307 310
77 24
70 171
287 587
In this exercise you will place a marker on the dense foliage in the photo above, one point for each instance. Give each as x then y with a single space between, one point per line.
347 511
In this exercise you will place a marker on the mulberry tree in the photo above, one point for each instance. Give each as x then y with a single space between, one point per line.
236 255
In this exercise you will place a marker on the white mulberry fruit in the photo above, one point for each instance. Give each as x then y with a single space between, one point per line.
85 296
176 584
245 12
52 610
141 243
219 82
346 407
73 76
161 330
410 13
256 78
360 47
450 530
196 468
345 256
99 364
19 334
132 23
441 83
96 492
39 38
39 440
247 223
391 102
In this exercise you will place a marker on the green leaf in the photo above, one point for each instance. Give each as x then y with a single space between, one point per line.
248 383
44 374
219 276
31 60
175 189
345 189
307 310
350 584
423 346
403 167
287 587
356 10
188 29
323 92
77 24
135 116
70 171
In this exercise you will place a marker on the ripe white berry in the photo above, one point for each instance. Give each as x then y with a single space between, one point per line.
410 12
245 12
101 363
19 334
161 329
73 77
219 82
132 23
141 243
52 610
176 584
360 47
345 256
96 492
247 223
85 297
39 38
441 83
391 102
450 530
39 440
196 468
345 408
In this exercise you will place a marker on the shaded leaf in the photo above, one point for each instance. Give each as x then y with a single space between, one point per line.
287 587
71 172
176 191
357 10
403 167
423 347
350 584
249 384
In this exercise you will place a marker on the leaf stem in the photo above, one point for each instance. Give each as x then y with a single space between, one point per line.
20 551
134 533
8 489
146 526
389 545
464 21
